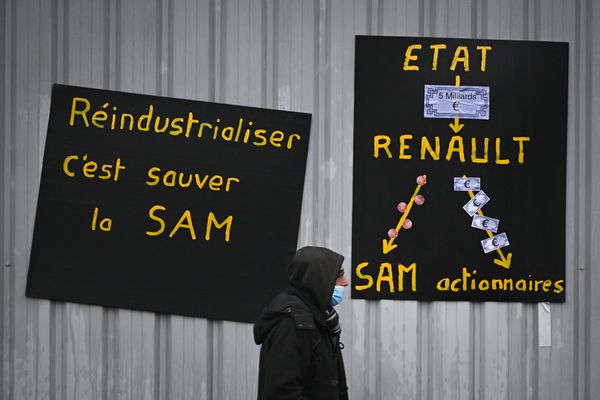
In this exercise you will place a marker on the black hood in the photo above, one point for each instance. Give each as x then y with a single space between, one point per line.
313 272
312 275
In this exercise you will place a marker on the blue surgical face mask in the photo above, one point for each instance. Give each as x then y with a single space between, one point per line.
337 296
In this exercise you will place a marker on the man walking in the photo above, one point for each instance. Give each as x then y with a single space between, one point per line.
299 331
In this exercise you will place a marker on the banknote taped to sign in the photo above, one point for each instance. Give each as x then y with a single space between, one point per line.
459 160
485 223
465 184
472 102
494 243
475 204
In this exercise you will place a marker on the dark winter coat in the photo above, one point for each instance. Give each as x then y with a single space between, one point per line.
300 359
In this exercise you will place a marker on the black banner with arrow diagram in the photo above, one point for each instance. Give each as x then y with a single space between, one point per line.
479 126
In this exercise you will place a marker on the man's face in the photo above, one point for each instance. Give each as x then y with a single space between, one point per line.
341 280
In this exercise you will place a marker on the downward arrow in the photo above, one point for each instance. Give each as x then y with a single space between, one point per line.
388 244
504 262
455 126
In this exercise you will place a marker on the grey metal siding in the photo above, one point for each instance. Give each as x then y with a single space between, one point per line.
291 55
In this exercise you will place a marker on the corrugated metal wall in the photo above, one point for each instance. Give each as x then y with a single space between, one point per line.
291 55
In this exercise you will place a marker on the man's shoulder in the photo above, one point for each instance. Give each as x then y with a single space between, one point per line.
294 307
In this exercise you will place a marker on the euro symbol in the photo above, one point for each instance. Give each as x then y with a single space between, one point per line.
455 106
485 223
467 183
476 202
495 242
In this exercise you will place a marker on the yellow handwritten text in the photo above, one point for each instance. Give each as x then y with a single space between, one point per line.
469 282
171 178
387 278
462 57
456 149
74 165
186 223
106 116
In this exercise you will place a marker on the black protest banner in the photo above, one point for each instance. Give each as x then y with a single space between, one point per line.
167 205
459 169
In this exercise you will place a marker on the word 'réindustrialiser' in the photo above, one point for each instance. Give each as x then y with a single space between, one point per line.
187 126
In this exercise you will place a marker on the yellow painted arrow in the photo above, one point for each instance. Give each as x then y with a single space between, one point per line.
388 244
504 261
456 126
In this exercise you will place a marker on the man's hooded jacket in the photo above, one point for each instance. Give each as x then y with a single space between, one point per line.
300 357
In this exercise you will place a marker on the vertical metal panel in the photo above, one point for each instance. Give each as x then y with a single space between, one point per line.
451 330
501 329
290 55
4 201
592 81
